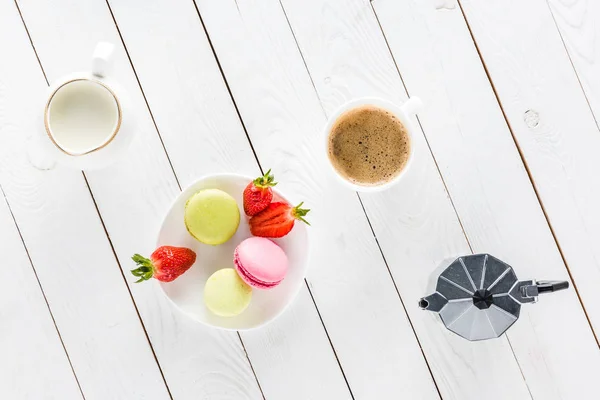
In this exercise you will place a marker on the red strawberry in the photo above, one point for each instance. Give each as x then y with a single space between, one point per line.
258 194
277 220
165 264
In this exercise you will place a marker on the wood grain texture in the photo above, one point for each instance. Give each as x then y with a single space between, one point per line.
133 196
67 243
556 132
283 114
29 343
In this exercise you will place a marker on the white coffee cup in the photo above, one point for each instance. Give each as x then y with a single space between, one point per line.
87 123
404 113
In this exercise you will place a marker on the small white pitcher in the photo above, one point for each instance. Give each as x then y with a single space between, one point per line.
87 122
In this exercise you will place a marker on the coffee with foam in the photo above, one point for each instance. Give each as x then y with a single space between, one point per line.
368 146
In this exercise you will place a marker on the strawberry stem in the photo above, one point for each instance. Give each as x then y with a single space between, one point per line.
145 269
298 213
265 181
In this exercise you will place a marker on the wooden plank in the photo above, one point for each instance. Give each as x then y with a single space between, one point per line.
134 194
67 244
284 117
34 363
192 108
558 137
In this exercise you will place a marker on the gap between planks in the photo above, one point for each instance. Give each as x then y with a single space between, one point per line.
360 199
449 197
562 39
400 297
143 95
41 288
179 185
103 227
112 248
19 229
366 216
529 174
520 155
261 169
363 208
442 177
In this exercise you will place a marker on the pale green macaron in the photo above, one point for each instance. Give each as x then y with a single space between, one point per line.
226 294
212 216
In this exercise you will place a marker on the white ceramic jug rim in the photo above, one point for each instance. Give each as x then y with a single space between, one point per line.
109 138
403 112
101 62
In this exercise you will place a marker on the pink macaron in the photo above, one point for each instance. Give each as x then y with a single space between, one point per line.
260 262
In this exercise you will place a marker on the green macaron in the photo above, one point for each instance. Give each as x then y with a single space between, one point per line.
212 216
226 294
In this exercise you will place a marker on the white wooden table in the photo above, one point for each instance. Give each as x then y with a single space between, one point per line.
509 141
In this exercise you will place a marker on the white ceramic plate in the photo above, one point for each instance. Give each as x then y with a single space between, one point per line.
187 291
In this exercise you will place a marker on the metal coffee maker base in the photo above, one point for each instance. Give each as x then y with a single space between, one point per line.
479 296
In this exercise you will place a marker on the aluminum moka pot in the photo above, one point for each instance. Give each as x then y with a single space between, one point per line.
479 297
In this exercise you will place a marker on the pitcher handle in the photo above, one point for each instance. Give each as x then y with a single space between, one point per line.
412 106
102 59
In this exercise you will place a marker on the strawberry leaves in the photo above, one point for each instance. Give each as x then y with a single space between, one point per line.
165 264
265 181
145 271
299 213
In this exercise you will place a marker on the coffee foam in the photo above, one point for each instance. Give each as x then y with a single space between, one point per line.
369 146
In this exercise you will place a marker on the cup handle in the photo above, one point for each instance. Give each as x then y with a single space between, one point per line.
102 59
412 106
